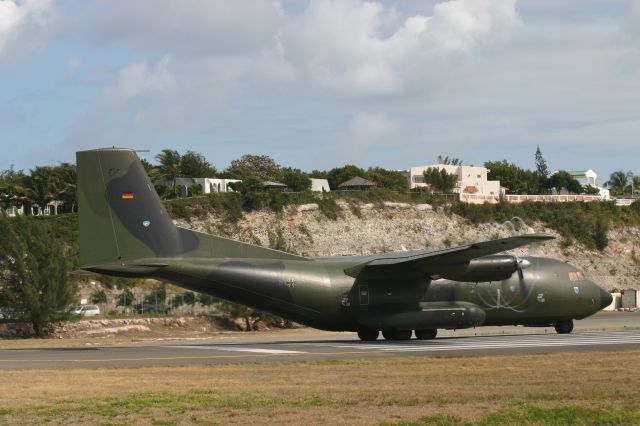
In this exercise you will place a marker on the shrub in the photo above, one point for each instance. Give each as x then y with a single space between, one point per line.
329 207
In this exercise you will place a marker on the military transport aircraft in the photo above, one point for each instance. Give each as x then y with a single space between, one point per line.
126 231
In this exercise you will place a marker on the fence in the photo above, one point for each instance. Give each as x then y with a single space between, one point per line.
494 199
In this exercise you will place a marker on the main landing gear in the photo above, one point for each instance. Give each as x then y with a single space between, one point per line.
397 334
368 335
564 327
427 334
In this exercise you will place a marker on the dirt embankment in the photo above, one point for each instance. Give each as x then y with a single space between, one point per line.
368 228
182 327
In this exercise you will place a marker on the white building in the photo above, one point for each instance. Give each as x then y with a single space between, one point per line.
49 210
585 177
320 185
471 180
208 185
589 177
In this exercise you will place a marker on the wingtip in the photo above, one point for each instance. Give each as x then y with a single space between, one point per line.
541 236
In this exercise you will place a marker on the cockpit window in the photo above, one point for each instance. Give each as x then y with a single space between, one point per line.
576 276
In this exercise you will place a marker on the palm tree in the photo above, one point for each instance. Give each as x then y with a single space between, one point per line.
618 182
169 167
65 183
11 190
449 161
41 187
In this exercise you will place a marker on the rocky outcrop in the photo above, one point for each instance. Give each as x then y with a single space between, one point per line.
383 227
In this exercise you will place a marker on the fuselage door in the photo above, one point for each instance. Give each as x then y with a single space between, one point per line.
363 290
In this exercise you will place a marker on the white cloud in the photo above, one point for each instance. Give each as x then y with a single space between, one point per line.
464 24
24 25
188 27
351 47
470 78
139 79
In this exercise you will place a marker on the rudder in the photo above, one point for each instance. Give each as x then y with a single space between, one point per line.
122 219
121 216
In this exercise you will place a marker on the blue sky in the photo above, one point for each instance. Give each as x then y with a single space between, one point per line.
322 83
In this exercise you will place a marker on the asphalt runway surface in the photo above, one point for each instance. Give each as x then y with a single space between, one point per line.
616 333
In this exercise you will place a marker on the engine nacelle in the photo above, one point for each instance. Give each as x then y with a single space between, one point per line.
488 268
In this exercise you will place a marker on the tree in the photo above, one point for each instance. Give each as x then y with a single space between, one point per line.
148 167
125 298
618 182
41 187
65 180
11 189
541 164
563 180
193 164
250 316
99 297
591 190
296 180
449 161
169 168
158 295
338 175
440 180
516 179
600 237
189 298
248 184
34 280
177 301
262 166
390 179
206 299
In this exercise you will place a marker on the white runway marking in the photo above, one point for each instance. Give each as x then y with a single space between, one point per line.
493 342
505 342
239 349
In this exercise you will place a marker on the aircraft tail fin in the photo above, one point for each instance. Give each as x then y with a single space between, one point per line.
123 219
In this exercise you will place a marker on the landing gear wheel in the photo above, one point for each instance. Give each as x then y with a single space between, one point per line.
397 334
564 327
368 335
427 334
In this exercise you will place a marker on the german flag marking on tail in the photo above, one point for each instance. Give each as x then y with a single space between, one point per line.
128 196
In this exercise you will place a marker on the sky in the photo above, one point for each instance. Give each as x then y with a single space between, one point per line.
322 83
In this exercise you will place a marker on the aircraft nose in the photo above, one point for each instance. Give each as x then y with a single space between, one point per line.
605 298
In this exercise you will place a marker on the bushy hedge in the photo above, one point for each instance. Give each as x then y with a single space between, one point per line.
583 222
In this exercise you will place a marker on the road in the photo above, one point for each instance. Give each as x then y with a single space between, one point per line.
323 346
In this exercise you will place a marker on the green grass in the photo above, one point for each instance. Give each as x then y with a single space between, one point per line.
164 403
522 413
175 406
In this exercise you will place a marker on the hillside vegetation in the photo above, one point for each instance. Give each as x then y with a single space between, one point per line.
601 238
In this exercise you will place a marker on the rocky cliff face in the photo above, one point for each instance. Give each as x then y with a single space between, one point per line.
368 228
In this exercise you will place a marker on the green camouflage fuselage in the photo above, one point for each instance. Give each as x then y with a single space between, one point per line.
318 293
126 231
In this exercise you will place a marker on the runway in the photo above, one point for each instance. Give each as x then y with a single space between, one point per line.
337 346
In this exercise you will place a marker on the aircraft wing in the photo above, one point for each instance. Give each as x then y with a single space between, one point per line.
439 262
